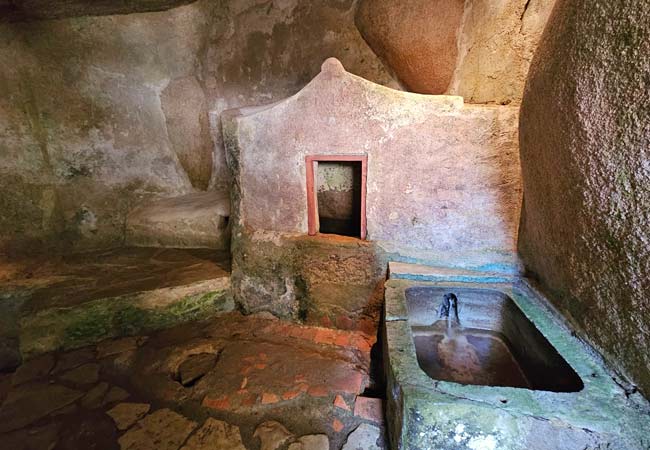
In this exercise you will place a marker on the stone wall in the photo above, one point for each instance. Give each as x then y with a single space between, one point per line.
443 179
585 153
98 114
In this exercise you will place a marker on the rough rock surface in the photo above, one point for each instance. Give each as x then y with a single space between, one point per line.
136 90
365 437
86 374
415 38
195 366
161 430
197 220
126 414
215 434
311 442
585 152
272 435
496 44
31 402
17 10
478 49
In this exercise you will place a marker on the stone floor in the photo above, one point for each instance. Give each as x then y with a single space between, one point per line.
231 382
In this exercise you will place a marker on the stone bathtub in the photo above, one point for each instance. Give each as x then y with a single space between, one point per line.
509 374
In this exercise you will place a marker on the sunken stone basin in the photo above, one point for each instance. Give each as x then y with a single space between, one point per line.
493 344
509 375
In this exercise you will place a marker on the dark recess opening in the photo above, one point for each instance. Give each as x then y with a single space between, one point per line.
338 187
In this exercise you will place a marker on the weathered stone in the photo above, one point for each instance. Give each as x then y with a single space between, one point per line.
311 442
5 385
364 437
55 9
28 403
193 220
369 409
10 357
115 394
127 314
93 398
75 358
88 431
66 410
82 375
116 346
184 105
126 414
215 434
496 41
161 430
32 369
272 435
38 438
195 366
585 146
415 38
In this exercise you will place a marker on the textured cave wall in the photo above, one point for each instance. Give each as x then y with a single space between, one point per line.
478 49
585 153
100 113
415 38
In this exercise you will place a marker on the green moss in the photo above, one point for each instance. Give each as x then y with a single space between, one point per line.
88 326
107 318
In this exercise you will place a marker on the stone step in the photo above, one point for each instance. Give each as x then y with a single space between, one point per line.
77 300
197 220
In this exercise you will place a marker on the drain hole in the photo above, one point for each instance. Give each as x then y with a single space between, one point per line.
504 401
194 368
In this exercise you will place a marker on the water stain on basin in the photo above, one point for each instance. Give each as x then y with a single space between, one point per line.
488 342
473 358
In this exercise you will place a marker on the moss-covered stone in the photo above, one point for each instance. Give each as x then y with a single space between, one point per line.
90 322
331 281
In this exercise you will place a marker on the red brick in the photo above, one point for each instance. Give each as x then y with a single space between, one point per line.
370 409
318 391
290 395
268 398
260 366
337 425
339 402
221 403
350 383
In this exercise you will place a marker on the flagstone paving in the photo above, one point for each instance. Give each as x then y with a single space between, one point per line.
233 382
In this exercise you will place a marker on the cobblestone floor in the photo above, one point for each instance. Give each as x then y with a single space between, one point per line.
233 382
